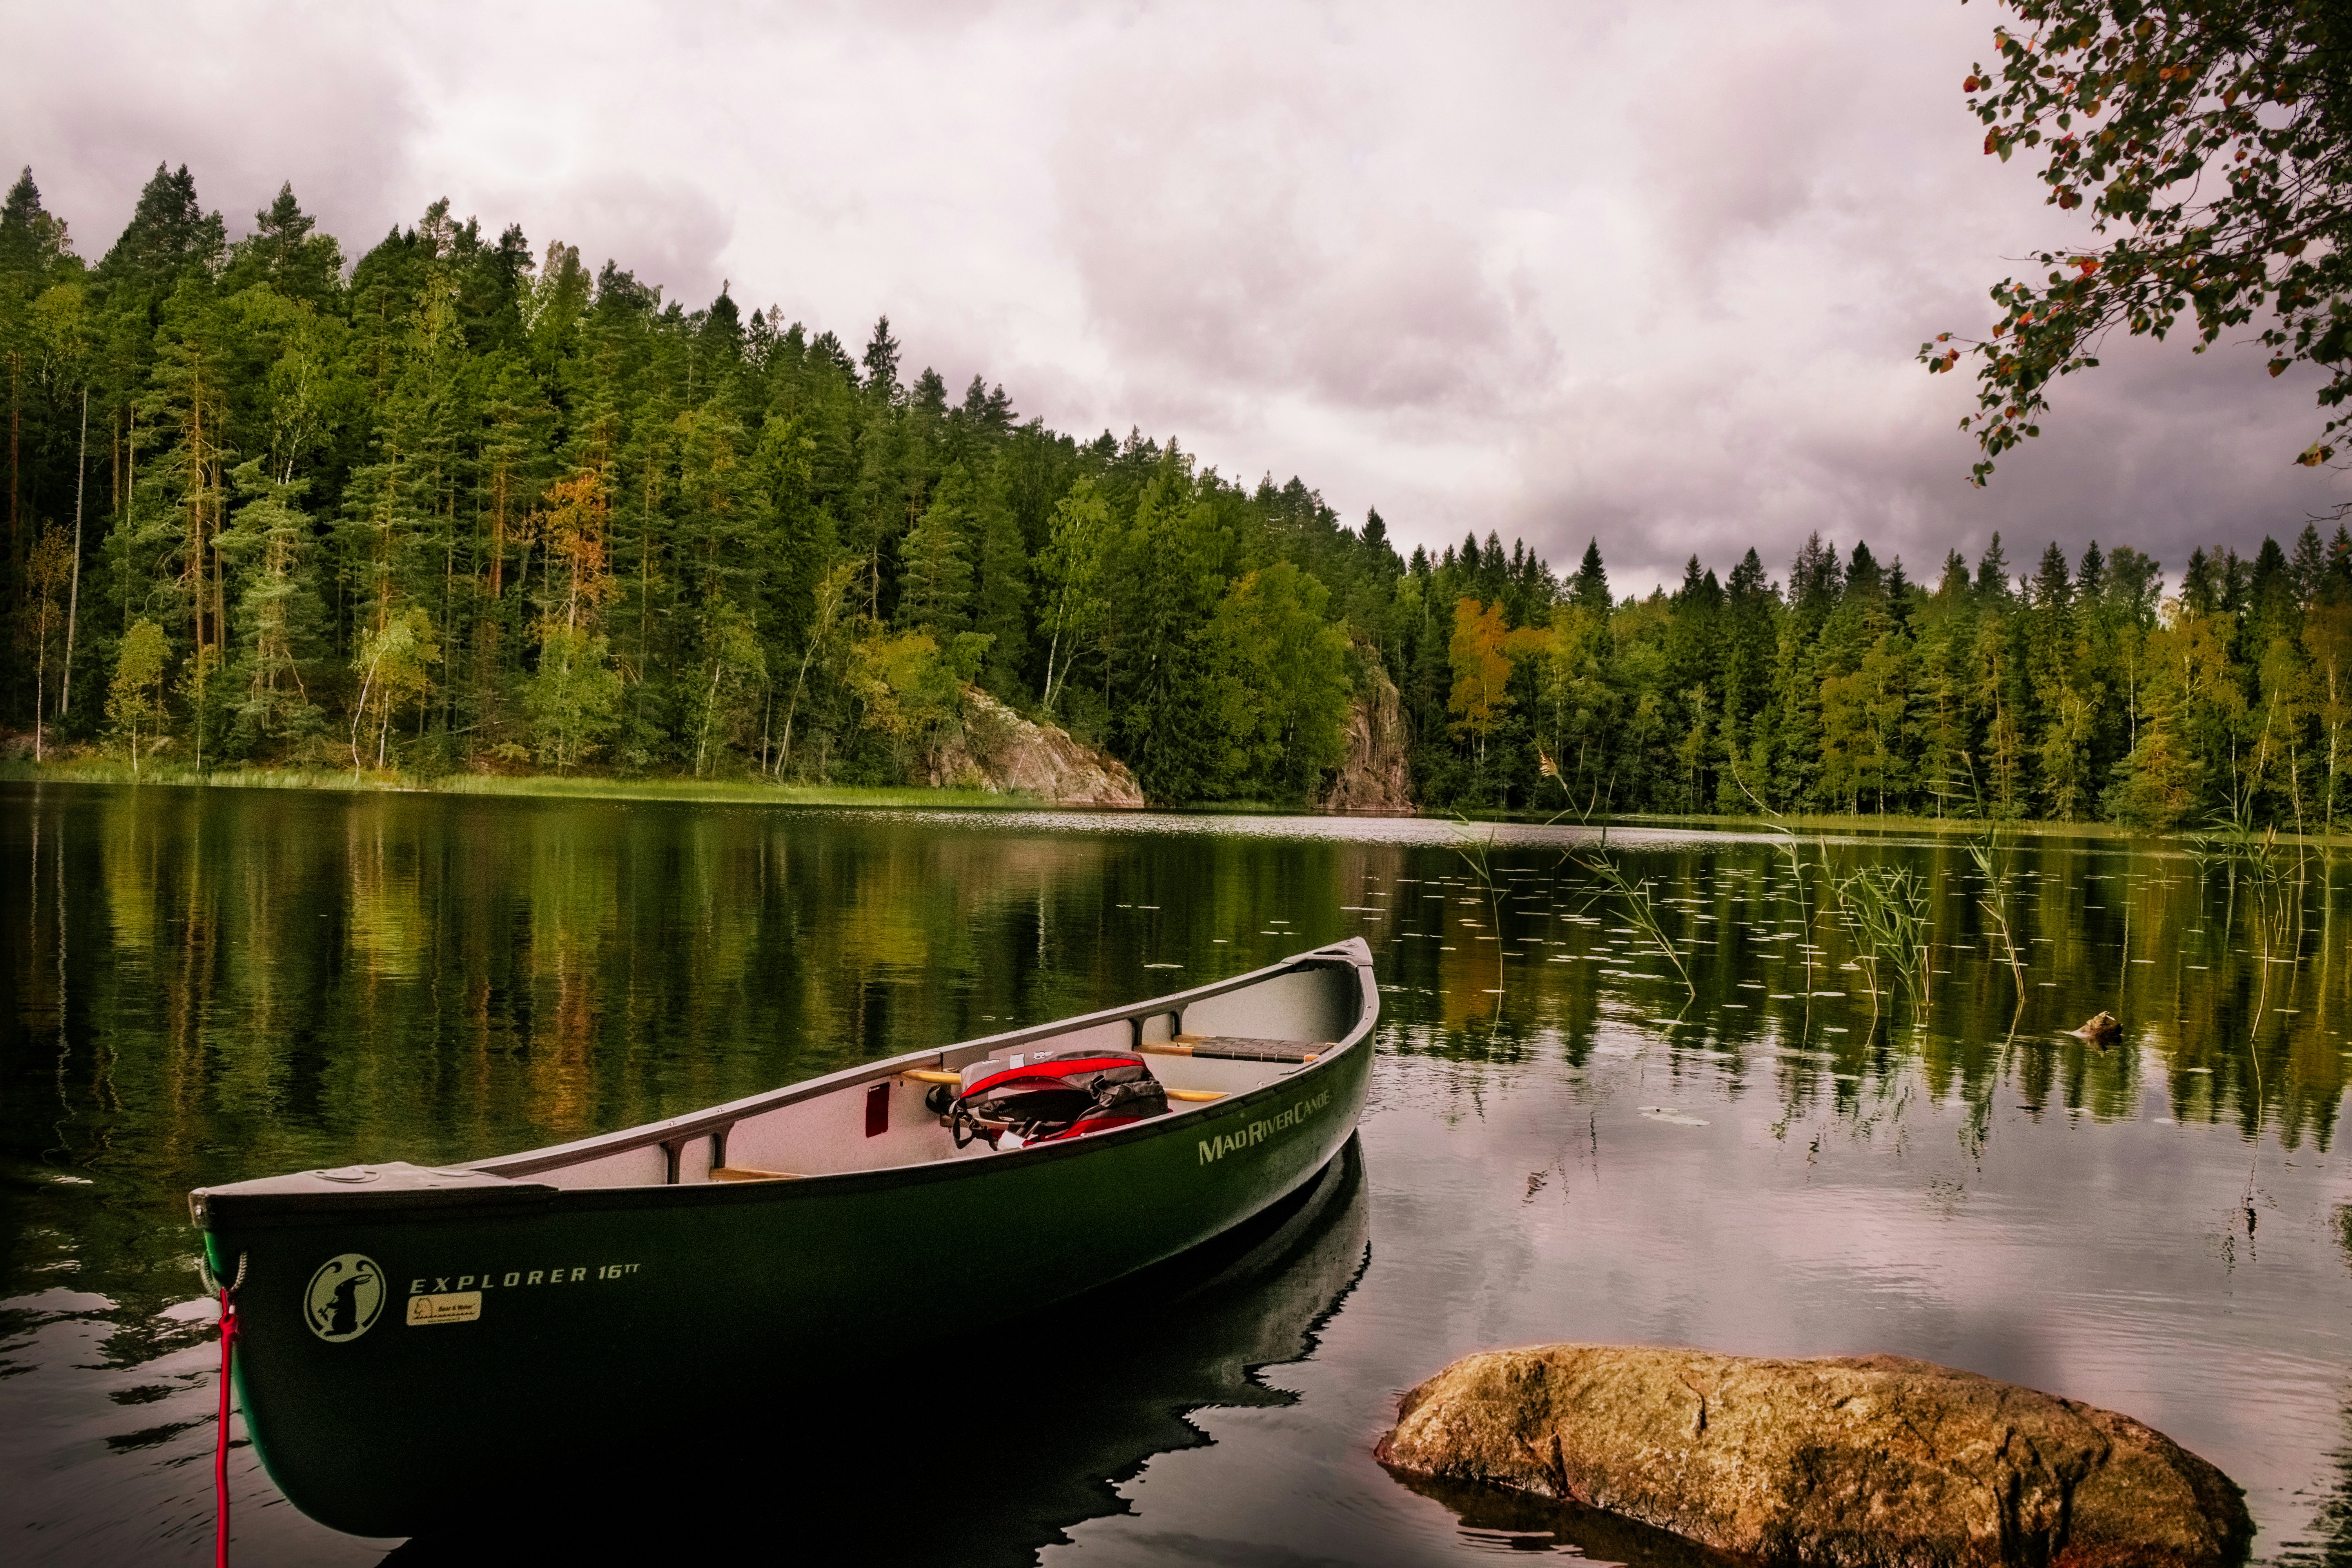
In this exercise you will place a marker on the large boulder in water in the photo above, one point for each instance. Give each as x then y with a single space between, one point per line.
1859 1462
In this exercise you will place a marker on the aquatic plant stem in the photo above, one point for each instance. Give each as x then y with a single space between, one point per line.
1994 901
1788 846
1888 910
1477 853
1633 897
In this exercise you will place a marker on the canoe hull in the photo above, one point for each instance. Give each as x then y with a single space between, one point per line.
551 1318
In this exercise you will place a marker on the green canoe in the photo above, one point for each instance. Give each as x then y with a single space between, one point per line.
406 1332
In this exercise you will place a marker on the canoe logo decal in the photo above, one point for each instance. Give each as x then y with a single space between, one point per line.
1256 1132
344 1297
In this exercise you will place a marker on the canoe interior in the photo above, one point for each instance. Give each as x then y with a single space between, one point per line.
1210 1047
876 1119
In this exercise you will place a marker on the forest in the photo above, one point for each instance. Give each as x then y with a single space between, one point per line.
460 505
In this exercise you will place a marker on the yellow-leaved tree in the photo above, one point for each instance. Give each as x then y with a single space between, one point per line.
1482 654
574 696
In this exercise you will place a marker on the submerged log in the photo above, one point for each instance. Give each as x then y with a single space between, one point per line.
1861 1462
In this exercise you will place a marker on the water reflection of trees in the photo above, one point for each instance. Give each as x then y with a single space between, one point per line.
232 981
2327 1540
2231 1011
226 982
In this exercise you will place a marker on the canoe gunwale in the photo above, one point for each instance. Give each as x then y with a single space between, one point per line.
283 1208
278 1210
703 1123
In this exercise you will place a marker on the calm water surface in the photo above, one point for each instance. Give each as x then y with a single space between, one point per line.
204 986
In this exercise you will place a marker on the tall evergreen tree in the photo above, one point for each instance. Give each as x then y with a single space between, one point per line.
1590 587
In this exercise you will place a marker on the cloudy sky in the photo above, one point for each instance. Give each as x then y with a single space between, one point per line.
1649 271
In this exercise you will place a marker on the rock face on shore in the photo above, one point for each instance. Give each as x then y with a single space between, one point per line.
1858 1462
1375 776
993 748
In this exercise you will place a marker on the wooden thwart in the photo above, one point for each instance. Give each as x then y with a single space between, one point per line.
749 1173
1196 1094
1235 1049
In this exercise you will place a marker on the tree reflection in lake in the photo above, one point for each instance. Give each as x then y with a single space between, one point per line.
205 984
2326 1542
2228 1005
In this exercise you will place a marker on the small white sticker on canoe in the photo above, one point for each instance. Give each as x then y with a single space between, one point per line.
458 1306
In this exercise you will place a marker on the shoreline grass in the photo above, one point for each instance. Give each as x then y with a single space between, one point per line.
758 791
708 792
1865 825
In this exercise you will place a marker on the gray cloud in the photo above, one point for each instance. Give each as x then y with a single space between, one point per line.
1654 273
1227 237
95 98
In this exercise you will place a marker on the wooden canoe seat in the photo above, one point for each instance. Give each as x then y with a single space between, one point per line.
1235 1048
747 1173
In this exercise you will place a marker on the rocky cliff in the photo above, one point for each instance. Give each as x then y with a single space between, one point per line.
993 748
1374 777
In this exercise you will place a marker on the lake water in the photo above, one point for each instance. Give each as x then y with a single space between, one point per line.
1562 1142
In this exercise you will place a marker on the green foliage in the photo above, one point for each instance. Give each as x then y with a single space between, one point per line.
134 700
47 578
394 662
738 673
573 697
1071 570
2212 141
270 542
1281 683
467 505
935 583
908 692
1166 578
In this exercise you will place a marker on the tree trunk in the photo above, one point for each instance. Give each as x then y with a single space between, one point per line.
709 711
40 674
1051 649
73 598
129 507
16 409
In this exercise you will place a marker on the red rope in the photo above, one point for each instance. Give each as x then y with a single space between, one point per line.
220 1449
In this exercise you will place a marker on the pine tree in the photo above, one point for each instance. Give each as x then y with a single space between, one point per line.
1590 586
286 252
1992 573
881 364
1166 576
1000 592
935 575
276 610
